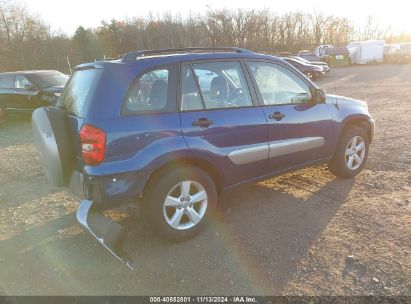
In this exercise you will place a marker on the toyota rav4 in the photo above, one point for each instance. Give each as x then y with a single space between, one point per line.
171 129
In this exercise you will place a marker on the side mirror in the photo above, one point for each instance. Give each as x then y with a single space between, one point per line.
319 96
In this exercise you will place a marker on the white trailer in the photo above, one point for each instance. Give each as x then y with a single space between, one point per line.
369 51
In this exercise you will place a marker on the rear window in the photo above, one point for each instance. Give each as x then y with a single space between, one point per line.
79 90
49 79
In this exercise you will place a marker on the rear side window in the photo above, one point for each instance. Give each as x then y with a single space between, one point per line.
221 85
152 92
7 82
78 92
190 97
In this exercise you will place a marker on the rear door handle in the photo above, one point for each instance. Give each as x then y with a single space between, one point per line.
202 122
277 116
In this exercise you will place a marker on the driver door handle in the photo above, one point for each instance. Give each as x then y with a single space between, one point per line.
277 116
202 122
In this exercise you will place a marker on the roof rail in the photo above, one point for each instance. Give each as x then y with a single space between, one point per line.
134 55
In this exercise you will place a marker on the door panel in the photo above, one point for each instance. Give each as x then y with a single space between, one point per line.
25 100
303 135
26 95
7 96
299 131
236 141
220 122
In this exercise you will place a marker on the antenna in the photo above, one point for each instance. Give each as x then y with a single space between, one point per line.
69 65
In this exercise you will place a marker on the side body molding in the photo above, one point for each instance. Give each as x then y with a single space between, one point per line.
274 149
249 155
288 146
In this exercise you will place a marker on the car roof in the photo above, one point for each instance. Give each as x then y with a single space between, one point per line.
28 72
159 59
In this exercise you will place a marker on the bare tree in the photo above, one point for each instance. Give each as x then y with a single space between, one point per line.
27 42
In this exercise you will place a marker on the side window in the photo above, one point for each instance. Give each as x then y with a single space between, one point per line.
278 85
204 77
7 82
22 82
190 95
153 91
222 85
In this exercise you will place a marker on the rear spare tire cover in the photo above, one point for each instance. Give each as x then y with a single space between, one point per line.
52 138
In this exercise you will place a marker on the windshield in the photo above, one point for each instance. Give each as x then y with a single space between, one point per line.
302 59
49 79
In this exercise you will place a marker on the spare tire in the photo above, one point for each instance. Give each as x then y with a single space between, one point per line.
53 141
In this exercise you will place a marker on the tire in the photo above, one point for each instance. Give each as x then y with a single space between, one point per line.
170 184
53 142
340 163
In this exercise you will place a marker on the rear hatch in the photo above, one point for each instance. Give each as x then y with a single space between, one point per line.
76 100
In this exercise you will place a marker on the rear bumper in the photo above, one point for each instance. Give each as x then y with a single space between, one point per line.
108 191
108 233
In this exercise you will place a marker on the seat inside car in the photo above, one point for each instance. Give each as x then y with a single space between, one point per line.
219 89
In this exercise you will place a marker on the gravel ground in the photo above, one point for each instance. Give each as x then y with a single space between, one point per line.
304 233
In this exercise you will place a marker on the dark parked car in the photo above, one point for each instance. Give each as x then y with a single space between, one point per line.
210 120
310 70
321 64
309 55
22 92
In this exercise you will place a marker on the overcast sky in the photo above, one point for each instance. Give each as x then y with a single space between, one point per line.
67 15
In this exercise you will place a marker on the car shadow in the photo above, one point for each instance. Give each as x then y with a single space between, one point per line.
253 246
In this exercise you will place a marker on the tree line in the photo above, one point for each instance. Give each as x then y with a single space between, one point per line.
27 42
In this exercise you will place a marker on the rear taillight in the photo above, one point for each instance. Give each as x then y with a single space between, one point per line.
93 144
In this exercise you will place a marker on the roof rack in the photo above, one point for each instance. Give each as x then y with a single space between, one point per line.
134 55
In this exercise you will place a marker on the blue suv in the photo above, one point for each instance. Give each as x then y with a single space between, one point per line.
171 129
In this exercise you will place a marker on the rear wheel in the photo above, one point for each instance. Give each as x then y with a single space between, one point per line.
351 154
179 203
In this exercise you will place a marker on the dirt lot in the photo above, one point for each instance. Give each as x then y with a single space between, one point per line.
302 233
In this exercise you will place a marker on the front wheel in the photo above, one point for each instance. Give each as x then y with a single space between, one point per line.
351 154
179 203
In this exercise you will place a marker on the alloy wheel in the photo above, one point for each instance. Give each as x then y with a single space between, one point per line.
355 152
185 205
